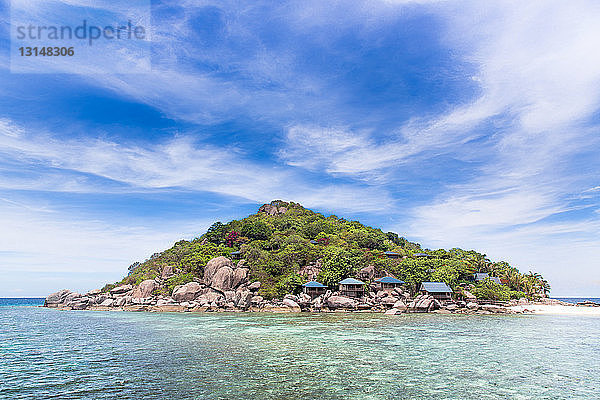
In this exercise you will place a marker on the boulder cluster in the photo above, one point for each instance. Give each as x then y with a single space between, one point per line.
226 287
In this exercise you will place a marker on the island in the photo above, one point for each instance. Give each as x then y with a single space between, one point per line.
286 258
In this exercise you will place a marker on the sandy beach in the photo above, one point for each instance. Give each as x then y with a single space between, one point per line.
556 309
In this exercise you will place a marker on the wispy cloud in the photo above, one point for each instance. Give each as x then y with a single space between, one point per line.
180 163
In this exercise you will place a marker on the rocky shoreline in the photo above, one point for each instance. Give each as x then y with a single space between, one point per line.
226 288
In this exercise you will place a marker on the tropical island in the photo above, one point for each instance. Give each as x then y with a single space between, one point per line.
286 258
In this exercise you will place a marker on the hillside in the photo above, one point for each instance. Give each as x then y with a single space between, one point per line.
284 244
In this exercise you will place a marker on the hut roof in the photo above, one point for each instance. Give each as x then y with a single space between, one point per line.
314 284
495 279
479 276
235 253
351 281
436 287
389 279
421 255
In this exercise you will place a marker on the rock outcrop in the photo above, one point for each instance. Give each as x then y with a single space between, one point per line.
274 208
225 287
186 292
144 289
55 299
343 302
215 265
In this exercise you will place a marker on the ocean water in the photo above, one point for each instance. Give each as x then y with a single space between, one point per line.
21 301
51 354
576 300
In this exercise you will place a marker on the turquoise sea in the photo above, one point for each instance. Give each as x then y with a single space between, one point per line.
51 354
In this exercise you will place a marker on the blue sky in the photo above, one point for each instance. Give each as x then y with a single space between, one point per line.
455 124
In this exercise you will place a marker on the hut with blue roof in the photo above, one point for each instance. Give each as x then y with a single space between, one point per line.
439 290
351 287
314 288
392 254
388 283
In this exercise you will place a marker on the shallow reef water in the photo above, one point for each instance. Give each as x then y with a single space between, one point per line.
47 353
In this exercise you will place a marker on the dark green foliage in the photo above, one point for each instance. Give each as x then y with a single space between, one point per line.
256 230
488 289
216 233
339 263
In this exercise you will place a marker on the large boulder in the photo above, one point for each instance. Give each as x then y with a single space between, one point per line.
107 303
275 208
469 296
240 276
341 302
71 298
120 290
400 306
423 303
295 307
256 299
209 297
223 279
244 299
144 289
389 301
254 286
57 298
186 292
213 266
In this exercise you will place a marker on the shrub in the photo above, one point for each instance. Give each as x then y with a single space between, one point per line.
257 230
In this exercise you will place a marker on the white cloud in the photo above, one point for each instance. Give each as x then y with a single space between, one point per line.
180 163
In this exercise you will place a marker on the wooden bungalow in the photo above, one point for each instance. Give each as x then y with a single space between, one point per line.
392 255
388 283
419 255
351 287
479 276
314 288
439 290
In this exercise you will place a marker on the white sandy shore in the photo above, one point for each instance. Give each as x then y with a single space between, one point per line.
556 309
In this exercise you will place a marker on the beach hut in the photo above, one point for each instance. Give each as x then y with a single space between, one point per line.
439 290
236 255
388 283
351 287
314 288
495 279
392 254
419 255
479 276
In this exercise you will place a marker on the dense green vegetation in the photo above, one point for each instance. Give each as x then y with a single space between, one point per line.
276 247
